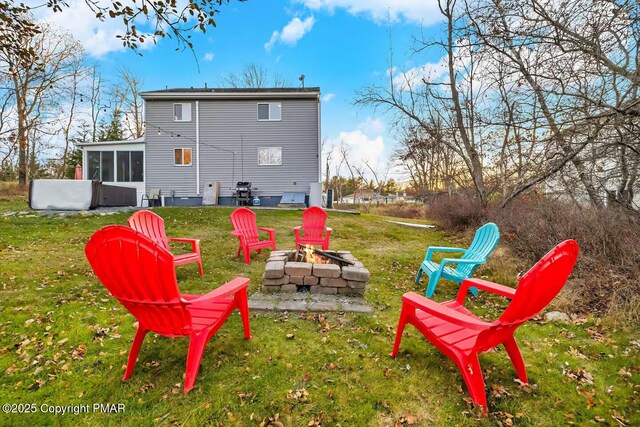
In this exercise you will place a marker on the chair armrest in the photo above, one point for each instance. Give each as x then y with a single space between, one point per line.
443 312
433 249
461 261
227 289
195 243
485 285
271 231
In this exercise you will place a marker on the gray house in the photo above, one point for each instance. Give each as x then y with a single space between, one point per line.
197 137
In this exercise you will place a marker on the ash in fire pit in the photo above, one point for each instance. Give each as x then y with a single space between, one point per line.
315 271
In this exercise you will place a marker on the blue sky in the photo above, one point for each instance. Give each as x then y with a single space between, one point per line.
339 45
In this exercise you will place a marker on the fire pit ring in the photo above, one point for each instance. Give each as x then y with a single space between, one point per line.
315 271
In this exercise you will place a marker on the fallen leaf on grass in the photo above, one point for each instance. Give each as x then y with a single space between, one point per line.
589 396
301 395
526 387
581 376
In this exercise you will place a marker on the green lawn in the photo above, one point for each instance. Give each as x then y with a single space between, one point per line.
64 341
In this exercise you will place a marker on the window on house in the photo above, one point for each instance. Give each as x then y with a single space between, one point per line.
182 112
182 156
129 166
269 156
100 165
270 111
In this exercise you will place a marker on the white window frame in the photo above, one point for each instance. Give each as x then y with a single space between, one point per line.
270 104
183 164
270 148
184 117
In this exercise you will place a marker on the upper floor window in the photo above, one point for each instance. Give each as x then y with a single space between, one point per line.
270 111
100 166
270 156
182 156
182 112
129 166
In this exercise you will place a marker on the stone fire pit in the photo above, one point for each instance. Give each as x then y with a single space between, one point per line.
282 274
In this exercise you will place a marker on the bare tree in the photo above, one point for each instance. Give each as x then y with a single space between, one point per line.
34 81
253 76
132 104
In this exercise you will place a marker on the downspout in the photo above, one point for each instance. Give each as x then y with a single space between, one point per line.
197 147
319 142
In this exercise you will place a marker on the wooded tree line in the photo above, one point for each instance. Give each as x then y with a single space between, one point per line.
55 98
529 95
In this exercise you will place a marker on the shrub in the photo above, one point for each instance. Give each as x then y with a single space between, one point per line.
607 276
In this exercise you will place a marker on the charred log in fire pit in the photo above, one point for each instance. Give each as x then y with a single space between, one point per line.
302 255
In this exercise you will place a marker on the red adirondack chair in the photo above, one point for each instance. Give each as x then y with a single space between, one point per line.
462 336
140 274
313 221
246 230
152 226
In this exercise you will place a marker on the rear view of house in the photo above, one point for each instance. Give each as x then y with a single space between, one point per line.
199 137
268 137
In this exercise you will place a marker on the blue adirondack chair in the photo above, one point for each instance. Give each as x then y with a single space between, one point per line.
484 242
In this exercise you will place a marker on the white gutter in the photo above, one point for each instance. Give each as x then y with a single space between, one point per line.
197 147
227 95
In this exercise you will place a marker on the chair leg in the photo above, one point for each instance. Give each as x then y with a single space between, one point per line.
404 314
433 282
247 255
200 266
243 306
133 353
259 250
516 358
472 375
239 250
419 276
273 246
197 344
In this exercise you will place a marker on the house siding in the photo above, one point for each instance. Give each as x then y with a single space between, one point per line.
232 125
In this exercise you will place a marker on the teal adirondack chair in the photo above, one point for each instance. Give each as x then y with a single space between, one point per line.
484 242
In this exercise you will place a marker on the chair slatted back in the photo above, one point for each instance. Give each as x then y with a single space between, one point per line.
140 274
535 290
484 242
313 222
244 221
151 225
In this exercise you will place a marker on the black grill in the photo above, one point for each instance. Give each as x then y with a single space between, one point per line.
243 193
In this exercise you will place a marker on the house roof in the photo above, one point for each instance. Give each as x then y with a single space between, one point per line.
98 143
228 93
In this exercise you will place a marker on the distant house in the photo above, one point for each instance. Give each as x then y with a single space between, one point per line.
269 137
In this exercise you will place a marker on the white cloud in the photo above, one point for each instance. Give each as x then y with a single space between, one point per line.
372 126
328 97
291 33
98 38
364 144
417 11
208 57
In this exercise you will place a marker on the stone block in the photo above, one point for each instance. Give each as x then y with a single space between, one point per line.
273 282
288 288
298 280
298 268
334 282
356 285
359 274
270 289
274 270
326 290
326 270
278 253
344 252
273 258
358 264
292 305
323 306
311 280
